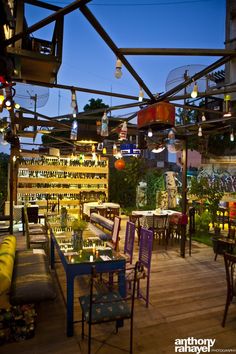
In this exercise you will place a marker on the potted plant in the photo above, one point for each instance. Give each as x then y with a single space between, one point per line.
78 226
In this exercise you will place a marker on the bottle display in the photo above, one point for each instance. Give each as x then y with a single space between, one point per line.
70 181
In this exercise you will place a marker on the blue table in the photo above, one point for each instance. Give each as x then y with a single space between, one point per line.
80 264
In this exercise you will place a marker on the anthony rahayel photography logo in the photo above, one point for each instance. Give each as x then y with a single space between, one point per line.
193 345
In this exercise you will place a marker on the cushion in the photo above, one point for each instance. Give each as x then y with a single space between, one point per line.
106 307
7 255
32 281
102 221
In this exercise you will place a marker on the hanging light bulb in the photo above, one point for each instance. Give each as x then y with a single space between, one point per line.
150 133
118 72
203 117
104 150
194 93
232 135
227 109
199 131
141 94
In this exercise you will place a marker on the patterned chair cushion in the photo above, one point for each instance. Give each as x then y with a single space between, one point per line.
106 307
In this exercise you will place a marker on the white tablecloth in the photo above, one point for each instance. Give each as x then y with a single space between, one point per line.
147 215
91 205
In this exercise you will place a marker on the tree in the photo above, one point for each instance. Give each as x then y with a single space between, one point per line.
94 104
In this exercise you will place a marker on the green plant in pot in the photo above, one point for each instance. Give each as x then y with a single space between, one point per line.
78 226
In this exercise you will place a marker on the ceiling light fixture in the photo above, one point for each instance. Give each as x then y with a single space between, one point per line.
159 148
118 72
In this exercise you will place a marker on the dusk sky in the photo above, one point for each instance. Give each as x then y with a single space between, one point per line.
88 62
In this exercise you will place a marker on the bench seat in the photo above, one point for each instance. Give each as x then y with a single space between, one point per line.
31 280
102 221
100 233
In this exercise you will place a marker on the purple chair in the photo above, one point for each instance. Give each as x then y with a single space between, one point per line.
129 241
144 257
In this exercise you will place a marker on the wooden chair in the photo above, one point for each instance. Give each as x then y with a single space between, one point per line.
114 242
32 215
129 241
136 220
174 226
102 211
159 227
144 258
106 304
36 236
230 268
112 212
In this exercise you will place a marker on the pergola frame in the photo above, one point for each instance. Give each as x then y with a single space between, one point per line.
121 53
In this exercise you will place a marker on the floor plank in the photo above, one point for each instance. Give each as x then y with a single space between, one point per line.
187 298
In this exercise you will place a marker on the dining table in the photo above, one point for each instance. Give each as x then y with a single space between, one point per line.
94 252
146 216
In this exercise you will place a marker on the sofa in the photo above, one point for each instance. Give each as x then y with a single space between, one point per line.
25 280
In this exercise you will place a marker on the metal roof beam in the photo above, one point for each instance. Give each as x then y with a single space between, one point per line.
177 51
62 12
107 39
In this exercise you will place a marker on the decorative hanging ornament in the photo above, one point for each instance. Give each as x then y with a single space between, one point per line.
119 164
123 132
104 125
74 104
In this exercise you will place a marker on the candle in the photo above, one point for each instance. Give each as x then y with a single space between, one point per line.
91 258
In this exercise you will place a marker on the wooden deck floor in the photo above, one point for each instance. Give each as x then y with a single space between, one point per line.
187 298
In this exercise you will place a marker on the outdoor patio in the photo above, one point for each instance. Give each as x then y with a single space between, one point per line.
187 298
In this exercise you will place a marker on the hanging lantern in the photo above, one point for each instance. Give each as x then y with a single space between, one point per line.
119 164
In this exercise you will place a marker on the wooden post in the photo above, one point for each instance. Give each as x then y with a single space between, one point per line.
184 198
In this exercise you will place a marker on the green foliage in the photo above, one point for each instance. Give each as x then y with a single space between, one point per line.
202 222
207 190
119 190
155 182
135 171
95 104
79 224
